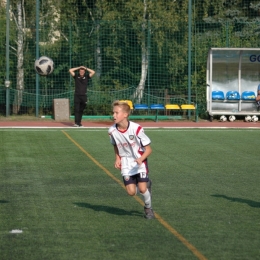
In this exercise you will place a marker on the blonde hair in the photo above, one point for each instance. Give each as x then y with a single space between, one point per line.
123 105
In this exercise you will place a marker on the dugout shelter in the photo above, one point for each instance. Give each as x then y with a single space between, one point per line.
233 76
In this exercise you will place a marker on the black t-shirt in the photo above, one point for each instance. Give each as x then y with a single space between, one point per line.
81 84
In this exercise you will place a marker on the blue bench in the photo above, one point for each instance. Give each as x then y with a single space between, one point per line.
248 95
140 106
157 107
151 107
218 95
232 95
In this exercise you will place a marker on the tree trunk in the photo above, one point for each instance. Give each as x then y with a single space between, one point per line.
138 94
20 71
144 68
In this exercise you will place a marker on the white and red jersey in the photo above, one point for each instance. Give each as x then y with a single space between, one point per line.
131 145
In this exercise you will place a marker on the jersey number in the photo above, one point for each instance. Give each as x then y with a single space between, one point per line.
142 175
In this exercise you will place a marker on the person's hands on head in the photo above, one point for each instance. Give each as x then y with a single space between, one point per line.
82 68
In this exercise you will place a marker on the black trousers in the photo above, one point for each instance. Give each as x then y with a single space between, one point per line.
79 106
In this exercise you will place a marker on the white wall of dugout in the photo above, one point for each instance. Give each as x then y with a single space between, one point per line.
233 76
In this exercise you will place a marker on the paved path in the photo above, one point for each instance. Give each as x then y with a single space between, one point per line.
146 124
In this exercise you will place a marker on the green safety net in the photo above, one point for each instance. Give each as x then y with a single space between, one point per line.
144 60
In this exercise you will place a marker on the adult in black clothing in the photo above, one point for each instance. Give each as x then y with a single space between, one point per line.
80 95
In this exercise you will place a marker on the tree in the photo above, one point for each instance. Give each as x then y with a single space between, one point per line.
18 10
23 16
18 15
145 26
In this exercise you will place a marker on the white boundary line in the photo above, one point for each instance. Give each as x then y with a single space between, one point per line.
103 127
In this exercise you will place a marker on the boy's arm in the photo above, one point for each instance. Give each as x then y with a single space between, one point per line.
117 159
148 151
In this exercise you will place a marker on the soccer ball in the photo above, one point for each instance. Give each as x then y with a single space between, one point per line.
232 118
248 118
44 66
254 118
223 118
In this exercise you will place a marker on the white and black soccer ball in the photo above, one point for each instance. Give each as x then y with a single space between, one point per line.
248 118
232 118
254 118
44 66
223 118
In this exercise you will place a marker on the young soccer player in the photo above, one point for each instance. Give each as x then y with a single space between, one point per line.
131 147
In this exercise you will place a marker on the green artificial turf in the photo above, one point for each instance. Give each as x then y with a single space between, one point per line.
55 187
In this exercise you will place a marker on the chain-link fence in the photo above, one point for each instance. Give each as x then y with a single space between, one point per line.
146 63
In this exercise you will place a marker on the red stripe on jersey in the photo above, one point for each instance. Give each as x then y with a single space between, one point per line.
138 130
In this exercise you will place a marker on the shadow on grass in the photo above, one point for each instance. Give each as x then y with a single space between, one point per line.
108 209
250 203
4 201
